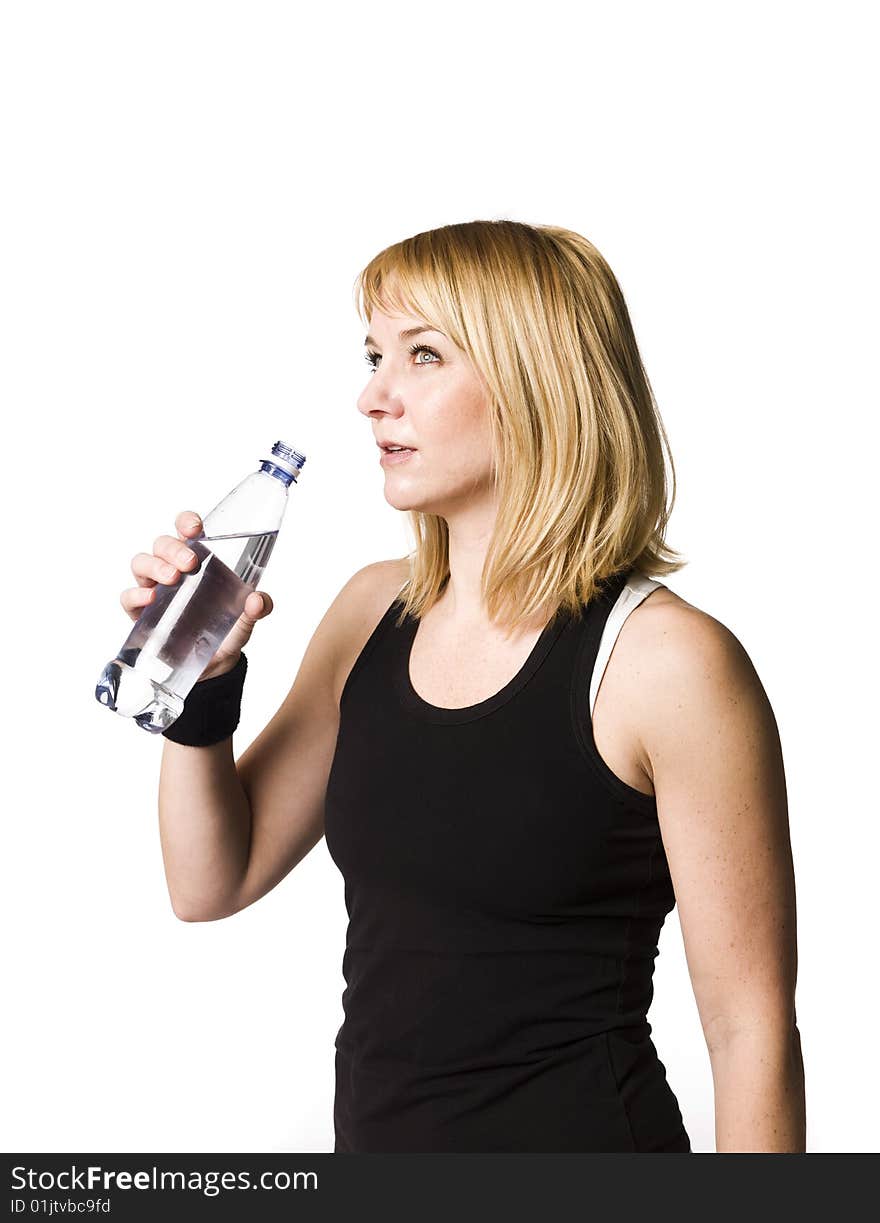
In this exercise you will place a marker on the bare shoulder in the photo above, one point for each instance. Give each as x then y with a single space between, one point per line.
668 632
360 605
687 668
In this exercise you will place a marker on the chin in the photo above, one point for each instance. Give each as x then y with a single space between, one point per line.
398 499
407 495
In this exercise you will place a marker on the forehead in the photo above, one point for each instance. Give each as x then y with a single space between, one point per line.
390 318
396 327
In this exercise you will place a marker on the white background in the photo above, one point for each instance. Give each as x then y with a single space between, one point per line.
189 191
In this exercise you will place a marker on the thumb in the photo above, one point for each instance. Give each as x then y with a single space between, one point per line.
257 605
254 609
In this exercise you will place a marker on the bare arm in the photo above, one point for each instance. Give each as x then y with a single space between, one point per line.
204 827
231 831
710 736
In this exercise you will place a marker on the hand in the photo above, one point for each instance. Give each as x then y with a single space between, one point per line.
171 557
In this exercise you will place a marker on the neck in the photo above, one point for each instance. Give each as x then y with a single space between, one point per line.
461 603
469 534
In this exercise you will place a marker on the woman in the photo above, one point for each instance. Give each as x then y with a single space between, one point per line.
523 748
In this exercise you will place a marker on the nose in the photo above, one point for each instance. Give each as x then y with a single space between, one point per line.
377 398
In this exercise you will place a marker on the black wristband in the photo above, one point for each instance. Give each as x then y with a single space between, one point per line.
211 710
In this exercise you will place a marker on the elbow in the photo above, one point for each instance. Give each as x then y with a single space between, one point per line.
769 1032
199 915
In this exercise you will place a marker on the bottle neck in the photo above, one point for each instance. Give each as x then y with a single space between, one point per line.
279 473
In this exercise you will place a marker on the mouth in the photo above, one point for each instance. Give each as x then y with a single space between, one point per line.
391 456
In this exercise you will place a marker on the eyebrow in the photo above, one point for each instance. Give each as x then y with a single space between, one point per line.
406 335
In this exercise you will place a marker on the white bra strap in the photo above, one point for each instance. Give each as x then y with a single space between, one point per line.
636 589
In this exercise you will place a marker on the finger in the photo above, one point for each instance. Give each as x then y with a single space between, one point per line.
188 523
136 598
142 568
240 633
166 546
258 604
152 567
253 608
174 553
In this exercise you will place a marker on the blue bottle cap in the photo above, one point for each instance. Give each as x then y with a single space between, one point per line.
287 458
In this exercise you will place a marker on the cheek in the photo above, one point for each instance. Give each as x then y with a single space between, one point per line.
462 417
464 450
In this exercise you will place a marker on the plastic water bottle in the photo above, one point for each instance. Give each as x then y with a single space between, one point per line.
176 636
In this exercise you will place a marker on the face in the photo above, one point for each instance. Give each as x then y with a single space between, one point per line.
424 393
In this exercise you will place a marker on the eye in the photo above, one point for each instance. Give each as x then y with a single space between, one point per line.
416 348
372 358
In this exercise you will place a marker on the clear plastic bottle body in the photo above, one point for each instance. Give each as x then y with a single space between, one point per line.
177 634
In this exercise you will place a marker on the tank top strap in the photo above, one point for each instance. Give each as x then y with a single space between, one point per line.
603 619
635 589
378 633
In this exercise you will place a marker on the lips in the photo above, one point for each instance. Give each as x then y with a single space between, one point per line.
389 458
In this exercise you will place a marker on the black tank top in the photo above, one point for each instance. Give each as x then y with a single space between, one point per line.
505 893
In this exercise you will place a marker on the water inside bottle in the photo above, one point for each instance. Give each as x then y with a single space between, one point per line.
178 633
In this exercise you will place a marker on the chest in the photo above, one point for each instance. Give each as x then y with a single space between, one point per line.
457 669
453 669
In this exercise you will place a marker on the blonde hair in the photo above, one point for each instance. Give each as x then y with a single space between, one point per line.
578 443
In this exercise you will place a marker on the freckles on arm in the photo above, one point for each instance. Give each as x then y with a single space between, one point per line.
713 745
